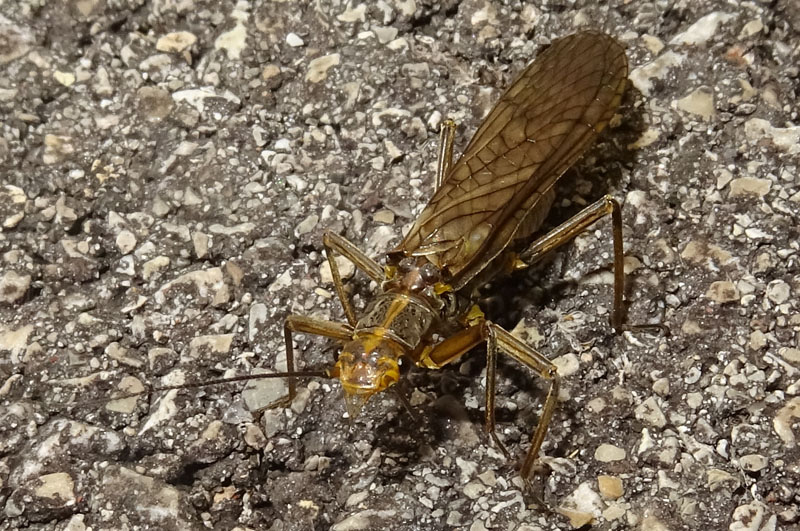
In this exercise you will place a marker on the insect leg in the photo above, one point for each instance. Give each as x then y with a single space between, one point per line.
451 348
574 226
499 339
306 325
445 158
334 242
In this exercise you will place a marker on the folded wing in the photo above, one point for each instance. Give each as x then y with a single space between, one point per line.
537 129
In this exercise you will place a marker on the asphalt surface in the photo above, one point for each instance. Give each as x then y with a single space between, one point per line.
168 169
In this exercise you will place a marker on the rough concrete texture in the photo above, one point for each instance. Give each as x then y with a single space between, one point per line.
169 167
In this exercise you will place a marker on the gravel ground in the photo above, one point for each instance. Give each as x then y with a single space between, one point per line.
169 168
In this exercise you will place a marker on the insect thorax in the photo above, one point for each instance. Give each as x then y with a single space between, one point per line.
402 317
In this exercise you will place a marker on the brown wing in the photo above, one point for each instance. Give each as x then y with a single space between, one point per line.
537 129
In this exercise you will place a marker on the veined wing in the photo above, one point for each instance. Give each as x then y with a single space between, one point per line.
538 128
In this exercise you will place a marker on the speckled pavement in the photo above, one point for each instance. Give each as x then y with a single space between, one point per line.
168 168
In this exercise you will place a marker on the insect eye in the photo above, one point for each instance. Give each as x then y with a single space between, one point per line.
430 274
405 265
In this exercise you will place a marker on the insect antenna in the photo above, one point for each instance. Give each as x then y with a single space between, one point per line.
149 389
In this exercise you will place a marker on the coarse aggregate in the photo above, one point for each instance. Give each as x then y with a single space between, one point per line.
168 169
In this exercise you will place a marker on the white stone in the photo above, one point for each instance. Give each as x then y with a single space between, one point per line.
744 186
345 266
582 506
233 41
307 225
722 291
318 68
126 241
650 413
58 486
784 138
658 68
783 421
752 517
701 31
567 365
176 42
294 40
13 286
353 14
607 453
699 102
778 291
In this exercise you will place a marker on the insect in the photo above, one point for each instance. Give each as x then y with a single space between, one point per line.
485 207
478 225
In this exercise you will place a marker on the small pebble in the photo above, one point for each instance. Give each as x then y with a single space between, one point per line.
567 365
703 30
692 376
758 340
13 286
151 267
385 34
58 486
126 242
650 413
700 102
473 489
753 462
596 405
384 216
745 186
717 479
356 498
65 78
613 512
661 386
254 437
751 28
723 291
607 453
778 291
792 355
478 525
353 14
346 270
318 68
784 420
260 393
307 225
582 506
694 400
752 517
610 487
294 40
176 42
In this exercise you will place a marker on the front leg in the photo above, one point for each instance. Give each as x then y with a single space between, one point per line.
339 244
306 325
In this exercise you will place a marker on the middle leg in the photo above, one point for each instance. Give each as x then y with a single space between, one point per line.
499 340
